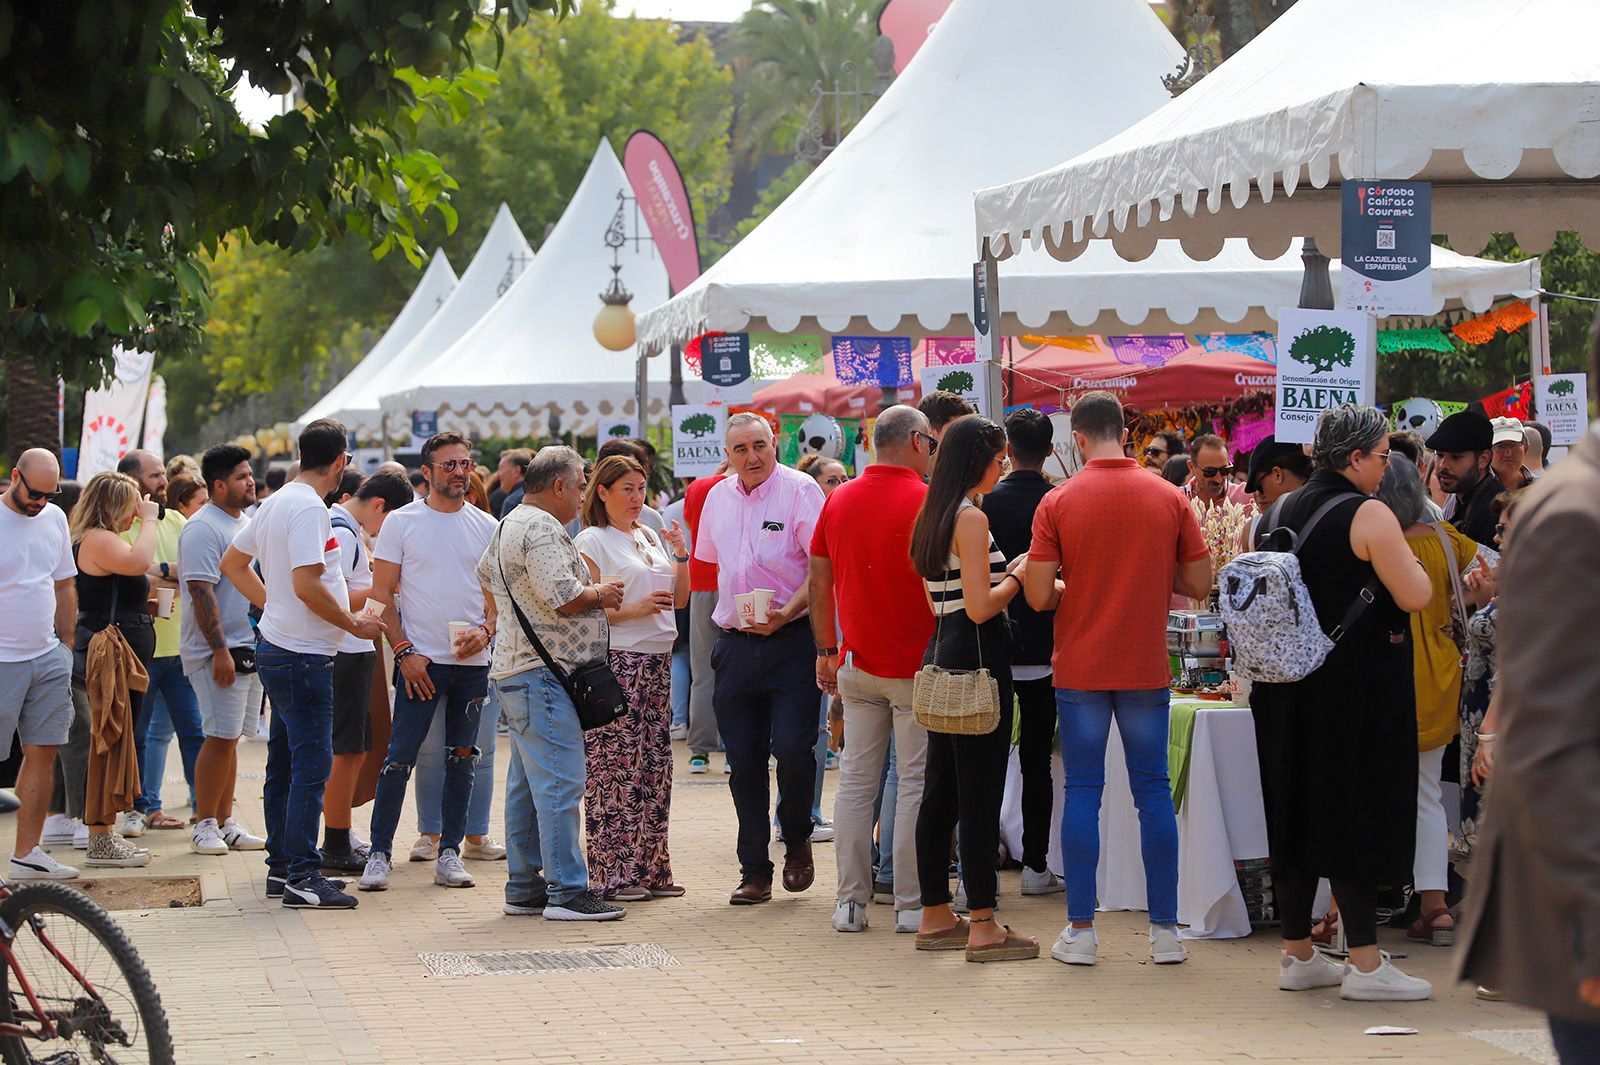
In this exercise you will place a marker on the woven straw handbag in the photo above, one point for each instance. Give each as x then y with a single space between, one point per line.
959 702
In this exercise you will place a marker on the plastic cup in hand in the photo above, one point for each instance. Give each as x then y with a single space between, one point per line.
373 608
745 603
458 631
663 582
164 601
761 604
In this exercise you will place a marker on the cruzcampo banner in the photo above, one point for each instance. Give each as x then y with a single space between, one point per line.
664 201
112 413
1325 358
697 438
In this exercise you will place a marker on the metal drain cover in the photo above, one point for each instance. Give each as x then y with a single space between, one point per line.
504 962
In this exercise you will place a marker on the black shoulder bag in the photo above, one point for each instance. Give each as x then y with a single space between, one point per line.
592 687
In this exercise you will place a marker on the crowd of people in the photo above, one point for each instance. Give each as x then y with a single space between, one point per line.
183 600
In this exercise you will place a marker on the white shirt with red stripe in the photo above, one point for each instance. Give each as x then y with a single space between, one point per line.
292 529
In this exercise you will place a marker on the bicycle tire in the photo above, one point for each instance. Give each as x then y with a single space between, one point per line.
48 898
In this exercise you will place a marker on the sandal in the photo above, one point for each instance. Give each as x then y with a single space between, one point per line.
1426 929
163 820
1325 929
950 939
1012 948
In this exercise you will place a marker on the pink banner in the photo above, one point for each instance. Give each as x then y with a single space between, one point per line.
907 23
658 186
1248 431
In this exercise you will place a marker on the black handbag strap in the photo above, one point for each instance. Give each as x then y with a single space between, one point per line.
1368 593
522 619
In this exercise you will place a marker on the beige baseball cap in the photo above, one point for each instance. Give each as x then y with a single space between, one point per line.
1508 431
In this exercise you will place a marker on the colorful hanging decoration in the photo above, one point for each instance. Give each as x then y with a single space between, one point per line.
1070 343
1478 330
1514 402
1261 346
691 351
780 355
884 361
950 351
1508 318
1394 340
1514 316
1153 351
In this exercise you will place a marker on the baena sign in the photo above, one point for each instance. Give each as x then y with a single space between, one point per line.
697 438
1325 359
1563 402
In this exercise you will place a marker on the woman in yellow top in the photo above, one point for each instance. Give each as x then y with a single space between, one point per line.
1437 667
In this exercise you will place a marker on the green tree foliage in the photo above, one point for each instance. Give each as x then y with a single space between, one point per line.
123 156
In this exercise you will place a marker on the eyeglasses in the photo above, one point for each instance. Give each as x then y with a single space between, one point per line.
33 493
835 481
1213 471
1500 529
1384 455
933 442
1152 452
452 465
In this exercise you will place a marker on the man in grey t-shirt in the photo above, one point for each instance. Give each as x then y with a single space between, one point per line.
215 622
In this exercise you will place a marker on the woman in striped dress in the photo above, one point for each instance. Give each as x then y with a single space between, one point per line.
968 588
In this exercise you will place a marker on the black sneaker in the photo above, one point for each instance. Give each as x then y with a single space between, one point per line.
585 906
532 906
343 862
276 882
317 892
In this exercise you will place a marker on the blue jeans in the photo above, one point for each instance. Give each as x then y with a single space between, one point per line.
681 677
462 690
888 795
173 710
299 755
544 789
431 772
1576 1043
1085 720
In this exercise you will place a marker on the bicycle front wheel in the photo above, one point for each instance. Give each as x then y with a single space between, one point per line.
85 978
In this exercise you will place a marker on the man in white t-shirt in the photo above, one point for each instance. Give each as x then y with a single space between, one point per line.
305 614
428 554
363 512
41 604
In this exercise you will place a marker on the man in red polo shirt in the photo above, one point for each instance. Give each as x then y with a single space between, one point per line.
702 630
861 575
1122 542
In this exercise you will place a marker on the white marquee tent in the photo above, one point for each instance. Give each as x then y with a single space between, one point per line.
1493 102
534 354
437 282
502 257
877 239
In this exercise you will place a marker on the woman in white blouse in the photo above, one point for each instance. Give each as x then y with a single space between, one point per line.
628 793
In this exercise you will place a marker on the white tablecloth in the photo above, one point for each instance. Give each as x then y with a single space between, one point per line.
1222 821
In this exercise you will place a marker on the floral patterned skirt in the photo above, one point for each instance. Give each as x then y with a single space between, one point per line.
628 794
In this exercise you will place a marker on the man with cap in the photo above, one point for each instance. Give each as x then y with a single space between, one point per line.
1275 471
1509 453
1464 443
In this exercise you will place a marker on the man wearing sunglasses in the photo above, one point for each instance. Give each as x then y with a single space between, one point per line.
1210 473
1161 447
41 604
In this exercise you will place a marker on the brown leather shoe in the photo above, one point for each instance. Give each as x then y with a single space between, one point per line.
798 868
753 890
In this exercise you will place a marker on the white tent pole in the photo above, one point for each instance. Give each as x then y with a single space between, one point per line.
1539 338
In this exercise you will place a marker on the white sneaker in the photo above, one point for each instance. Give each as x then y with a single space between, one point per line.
206 838
1041 883
239 838
59 829
1316 971
448 871
357 844
37 865
1076 946
958 901
425 849
1383 984
376 876
80 836
822 831
130 824
489 850
1166 946
850 917
908 920
680 732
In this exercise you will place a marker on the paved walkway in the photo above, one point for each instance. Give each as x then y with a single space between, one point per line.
247 981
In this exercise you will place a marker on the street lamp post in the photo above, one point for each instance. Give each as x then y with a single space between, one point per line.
614 325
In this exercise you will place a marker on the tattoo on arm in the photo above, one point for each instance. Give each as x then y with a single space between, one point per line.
203 600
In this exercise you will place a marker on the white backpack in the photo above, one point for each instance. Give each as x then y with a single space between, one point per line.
1272 625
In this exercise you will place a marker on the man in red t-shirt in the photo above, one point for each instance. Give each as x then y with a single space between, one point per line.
703 631
862 581
1122 542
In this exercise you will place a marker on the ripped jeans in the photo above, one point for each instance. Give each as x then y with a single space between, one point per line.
460 691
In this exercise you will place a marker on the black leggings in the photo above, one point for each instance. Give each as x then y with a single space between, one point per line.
964 783
1296 894
1036 703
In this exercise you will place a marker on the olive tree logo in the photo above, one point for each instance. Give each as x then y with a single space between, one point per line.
620 430
698 425
1562 388
1323 348
959 381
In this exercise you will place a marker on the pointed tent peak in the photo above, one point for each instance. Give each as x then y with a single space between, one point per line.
439 265
504 238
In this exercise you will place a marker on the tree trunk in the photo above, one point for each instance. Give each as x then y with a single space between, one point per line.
31 408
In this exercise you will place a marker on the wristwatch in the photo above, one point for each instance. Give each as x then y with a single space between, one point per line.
827 652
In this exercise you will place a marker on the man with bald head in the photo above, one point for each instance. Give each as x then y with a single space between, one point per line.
41 607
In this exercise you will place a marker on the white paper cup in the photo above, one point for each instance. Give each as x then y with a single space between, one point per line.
663 582
762 604
745 603
1241 689
164 601
373 608
459 629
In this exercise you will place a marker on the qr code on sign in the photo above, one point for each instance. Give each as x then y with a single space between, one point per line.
1386 240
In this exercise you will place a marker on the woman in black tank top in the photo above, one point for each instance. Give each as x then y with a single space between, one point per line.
113 589
1352 817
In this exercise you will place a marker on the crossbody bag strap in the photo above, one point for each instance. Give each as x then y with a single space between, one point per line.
522 619
1458 595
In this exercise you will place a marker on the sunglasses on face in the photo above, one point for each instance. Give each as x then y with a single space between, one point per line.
33 493
1213 471
452 465
932 442
1152 452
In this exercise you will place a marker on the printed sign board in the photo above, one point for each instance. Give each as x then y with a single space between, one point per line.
697 438
1563 403
1325 358
1386 262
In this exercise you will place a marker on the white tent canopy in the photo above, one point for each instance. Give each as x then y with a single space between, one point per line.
1494 102
501 258
534 354
438 281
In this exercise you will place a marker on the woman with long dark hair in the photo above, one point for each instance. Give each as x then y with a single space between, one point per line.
968 587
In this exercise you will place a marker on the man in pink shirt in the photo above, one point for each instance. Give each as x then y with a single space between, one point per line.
757 528
1210 474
